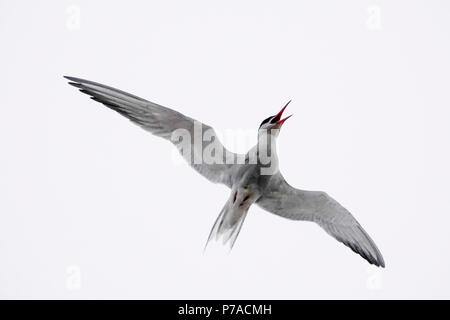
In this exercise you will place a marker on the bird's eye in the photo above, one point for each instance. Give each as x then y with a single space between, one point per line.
265 121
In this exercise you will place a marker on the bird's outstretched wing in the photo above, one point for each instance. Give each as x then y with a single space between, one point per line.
283 200
162 121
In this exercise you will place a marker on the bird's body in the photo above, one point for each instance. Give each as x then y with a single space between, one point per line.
256 180
248 184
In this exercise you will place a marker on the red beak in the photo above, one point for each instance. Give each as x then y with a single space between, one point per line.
278 119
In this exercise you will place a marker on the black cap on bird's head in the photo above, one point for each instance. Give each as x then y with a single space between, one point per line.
275 122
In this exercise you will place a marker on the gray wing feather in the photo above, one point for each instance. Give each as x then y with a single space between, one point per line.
160 121
283 200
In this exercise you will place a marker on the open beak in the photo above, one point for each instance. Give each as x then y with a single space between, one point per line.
277 119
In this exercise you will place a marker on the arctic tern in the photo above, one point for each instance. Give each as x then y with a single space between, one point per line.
254 180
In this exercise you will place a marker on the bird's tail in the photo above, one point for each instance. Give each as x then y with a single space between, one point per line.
228 223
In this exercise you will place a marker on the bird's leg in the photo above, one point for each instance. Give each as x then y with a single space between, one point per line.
242 197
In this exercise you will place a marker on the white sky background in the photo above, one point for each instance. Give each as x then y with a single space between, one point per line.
92 206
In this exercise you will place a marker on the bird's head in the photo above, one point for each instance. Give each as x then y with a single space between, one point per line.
273 123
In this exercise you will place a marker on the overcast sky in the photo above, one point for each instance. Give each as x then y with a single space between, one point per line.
92 206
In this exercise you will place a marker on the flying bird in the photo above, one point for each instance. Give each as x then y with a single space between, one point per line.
255 179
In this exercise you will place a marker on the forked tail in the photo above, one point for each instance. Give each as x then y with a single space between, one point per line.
228 223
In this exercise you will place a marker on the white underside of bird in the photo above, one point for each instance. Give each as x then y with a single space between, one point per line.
256 181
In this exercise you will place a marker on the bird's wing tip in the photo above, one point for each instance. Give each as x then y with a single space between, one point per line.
378 261
76 84
72 78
